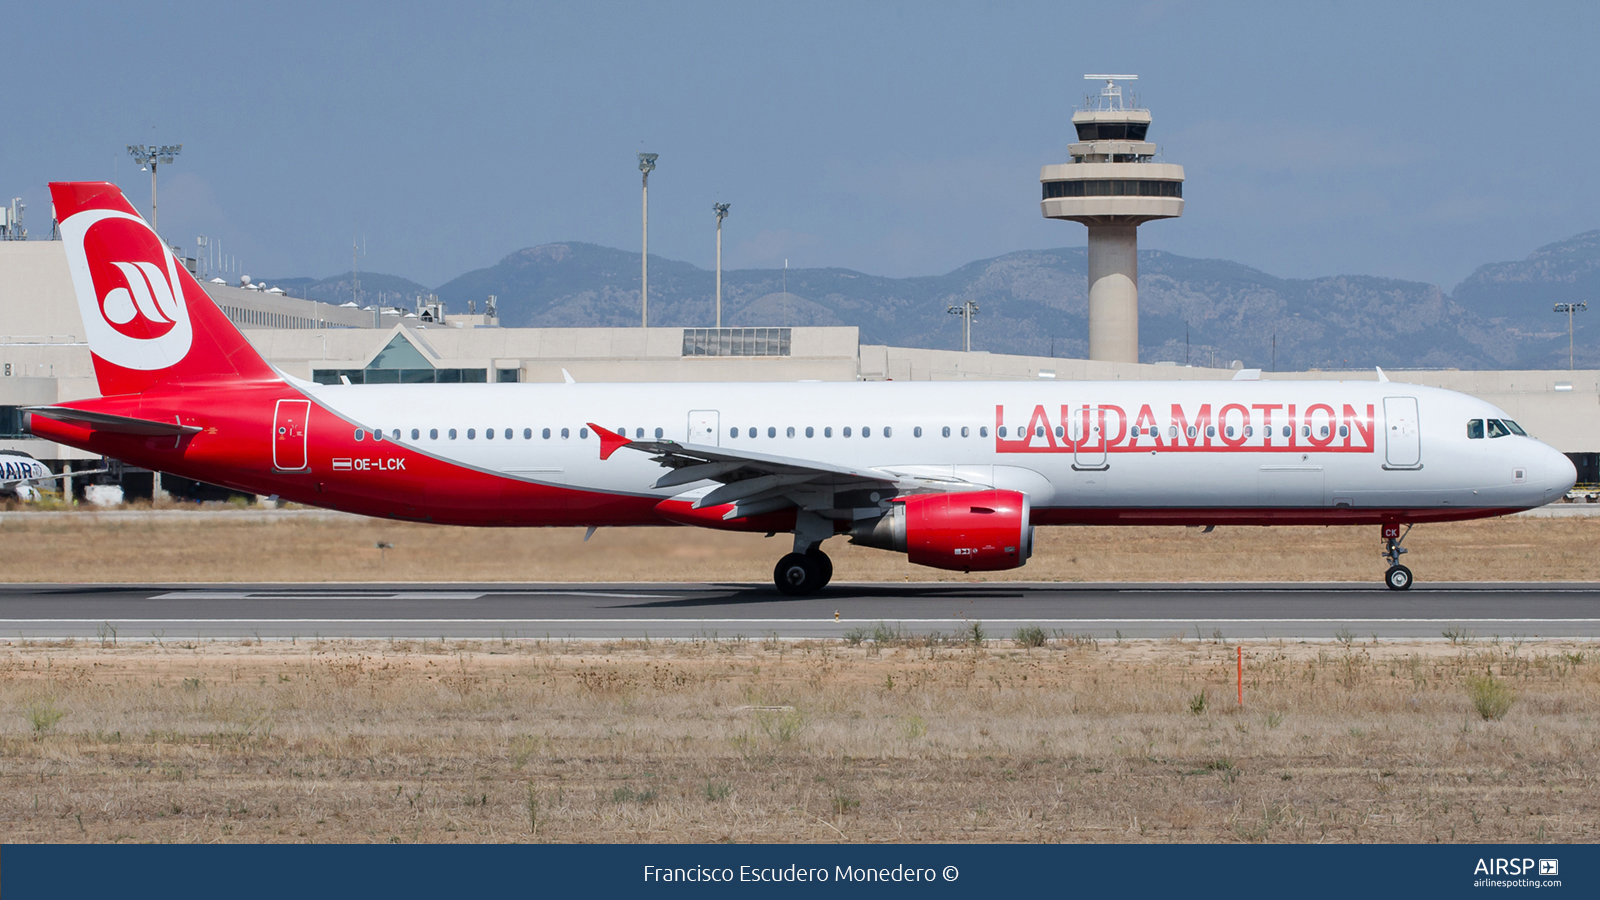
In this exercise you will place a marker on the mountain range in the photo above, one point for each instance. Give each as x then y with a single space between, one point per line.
1204 311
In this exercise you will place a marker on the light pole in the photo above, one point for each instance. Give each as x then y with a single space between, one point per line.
721 209
149 155
966 311
1569 309
647 164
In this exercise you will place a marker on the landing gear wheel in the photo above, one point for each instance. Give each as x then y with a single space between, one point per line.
1398 578
824 567
797 574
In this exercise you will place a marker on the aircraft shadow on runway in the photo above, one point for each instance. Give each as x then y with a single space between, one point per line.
746 594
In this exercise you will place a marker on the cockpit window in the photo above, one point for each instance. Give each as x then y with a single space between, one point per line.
1498 429
1515 428
1475 429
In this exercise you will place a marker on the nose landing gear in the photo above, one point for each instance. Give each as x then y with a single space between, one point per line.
1398 578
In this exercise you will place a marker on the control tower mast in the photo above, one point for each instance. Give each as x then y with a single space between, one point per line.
1112 186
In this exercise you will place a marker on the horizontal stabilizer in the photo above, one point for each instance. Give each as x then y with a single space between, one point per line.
108 422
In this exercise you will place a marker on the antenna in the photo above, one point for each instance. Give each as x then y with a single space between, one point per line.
1111 94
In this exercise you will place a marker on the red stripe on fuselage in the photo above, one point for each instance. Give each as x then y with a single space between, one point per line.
1256 516
384 478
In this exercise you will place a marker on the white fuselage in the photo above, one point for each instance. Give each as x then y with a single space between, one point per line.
1068 445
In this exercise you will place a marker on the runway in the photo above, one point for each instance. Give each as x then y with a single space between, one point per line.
725 611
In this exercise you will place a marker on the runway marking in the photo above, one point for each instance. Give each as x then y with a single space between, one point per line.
389 595
1188 620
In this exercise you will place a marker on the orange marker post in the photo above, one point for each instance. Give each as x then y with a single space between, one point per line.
1241 675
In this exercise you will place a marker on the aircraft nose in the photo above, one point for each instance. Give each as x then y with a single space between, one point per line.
1560 473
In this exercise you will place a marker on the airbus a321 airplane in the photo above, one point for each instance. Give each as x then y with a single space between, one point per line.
954 474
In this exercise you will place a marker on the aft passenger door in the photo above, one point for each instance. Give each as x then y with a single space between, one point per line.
704 428
289 435
1402 432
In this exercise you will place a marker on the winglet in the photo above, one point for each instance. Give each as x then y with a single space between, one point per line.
1381 377
567 377
610 441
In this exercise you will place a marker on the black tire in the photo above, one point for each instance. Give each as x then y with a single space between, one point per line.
797 574
824 567
1398 578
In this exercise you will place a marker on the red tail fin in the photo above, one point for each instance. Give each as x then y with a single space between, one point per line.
148 322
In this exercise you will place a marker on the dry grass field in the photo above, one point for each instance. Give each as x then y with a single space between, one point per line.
88 547
880 740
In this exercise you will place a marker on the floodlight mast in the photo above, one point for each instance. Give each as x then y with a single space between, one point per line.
647 164
150 155
721 209
966 311
1569 309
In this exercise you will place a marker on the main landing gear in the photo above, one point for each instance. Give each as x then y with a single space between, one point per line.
803 573
1398 578
806 570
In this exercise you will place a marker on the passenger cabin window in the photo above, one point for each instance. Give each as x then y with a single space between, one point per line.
1475 429
846 431
810 431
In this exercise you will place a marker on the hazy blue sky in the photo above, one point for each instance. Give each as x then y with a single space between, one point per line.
1409 140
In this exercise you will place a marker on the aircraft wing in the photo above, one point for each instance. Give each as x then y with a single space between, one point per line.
753 482
8 482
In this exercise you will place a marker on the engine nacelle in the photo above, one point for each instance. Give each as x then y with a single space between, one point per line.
973 531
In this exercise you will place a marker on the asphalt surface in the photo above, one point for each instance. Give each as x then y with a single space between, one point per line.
1236 611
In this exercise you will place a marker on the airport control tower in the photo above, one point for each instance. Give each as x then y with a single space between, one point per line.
1112 186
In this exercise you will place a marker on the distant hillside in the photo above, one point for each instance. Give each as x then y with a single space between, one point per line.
1035 301
375 287
1028 300
1517 297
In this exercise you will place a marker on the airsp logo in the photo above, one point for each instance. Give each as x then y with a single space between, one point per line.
128 290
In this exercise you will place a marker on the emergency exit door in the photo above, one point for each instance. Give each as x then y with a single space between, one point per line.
289 435
703 427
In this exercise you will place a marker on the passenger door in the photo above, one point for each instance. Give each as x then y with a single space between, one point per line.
704 428
289 435
1088 444
1402 432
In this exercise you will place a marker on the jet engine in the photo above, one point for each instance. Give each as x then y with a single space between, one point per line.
973 531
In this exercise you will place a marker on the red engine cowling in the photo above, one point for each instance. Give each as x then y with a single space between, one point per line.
975 531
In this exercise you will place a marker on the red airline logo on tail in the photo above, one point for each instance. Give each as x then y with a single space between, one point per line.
128 289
